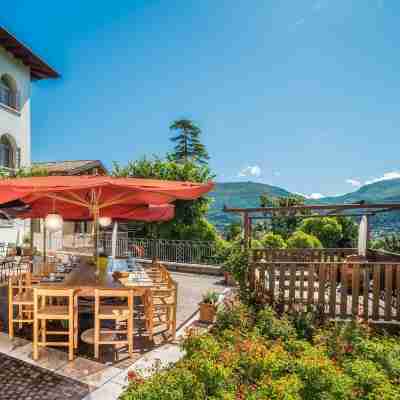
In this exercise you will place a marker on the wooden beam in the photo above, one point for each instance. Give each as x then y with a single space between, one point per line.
315 207
261 217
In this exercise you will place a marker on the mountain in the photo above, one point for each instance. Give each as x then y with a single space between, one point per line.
238 194
247 194
382 191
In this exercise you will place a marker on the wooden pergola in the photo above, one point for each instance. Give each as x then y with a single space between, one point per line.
361 209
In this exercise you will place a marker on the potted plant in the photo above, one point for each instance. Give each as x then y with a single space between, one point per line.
228 278
208 307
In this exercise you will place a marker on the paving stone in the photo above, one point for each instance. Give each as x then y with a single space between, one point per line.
8 345
22 380
49 358
159 358
110 391
90 372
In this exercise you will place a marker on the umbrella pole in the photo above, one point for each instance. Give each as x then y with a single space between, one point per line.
114 240
96 237
31 233
44 241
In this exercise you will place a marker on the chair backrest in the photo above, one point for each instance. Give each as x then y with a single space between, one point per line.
43 296
123 293
21 282
45 269
47 292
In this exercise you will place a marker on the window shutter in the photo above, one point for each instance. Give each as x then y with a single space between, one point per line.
18 158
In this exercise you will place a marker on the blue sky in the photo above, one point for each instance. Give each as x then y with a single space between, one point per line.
303 94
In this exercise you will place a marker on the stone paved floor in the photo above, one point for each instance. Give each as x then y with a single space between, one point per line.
103 381
191 287
20 380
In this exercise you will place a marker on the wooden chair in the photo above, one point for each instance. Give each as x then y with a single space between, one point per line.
161 301
44 310
45 269
20 299
121 314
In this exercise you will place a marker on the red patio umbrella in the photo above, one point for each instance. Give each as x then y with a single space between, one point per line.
91 197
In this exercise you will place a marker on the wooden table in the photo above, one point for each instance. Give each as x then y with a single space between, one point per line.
85 279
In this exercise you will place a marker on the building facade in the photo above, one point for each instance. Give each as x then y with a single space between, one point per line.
19 66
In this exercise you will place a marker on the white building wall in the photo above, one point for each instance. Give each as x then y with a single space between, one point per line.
17 124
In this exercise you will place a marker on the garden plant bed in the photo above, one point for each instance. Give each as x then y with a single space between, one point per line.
254 353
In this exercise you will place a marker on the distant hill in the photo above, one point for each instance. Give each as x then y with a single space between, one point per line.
238 194
385 191
247 194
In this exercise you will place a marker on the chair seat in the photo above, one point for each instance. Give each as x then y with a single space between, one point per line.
53 312
163 301
113 312
25 298
107 336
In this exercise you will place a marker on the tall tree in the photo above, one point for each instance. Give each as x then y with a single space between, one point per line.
282 223
187 142
190 221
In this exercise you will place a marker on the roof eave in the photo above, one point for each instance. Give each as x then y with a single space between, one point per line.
39 69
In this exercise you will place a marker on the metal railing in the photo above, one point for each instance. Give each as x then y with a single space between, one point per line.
12 266
178 251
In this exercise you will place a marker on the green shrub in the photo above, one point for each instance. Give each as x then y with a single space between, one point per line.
284 388
172 384
370 382
233 315
272 327
326 229
259 355
307 322
302 240
321 378
384 351
273 241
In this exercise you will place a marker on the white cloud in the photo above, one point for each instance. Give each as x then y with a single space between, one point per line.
354 182
300 21
276 173
312 196
250 171
386 177
315 196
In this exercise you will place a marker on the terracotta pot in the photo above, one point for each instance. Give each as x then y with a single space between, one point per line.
207 312
229 279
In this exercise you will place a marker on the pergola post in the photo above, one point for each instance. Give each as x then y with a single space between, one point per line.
363 236
247 230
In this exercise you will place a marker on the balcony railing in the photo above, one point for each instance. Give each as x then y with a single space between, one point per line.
178 251
9 98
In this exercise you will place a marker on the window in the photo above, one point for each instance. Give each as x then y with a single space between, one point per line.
9 92
7 152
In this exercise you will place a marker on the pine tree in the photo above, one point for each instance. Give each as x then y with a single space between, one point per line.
187 143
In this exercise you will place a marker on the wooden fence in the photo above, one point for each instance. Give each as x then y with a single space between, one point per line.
370 290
